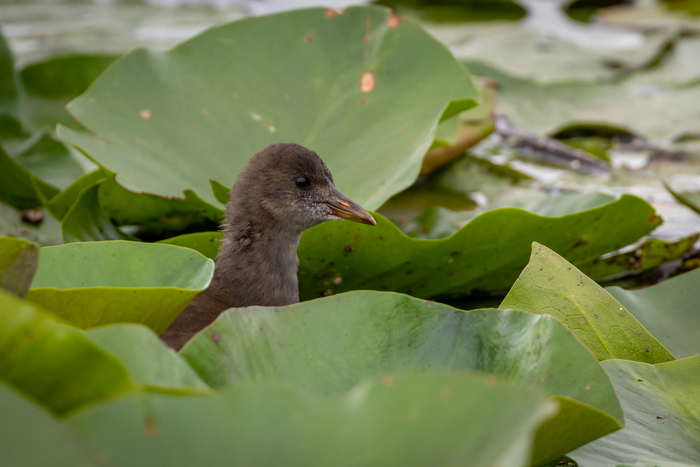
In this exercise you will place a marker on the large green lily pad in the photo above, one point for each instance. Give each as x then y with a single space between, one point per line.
18 261
148 359
485 255
669 310
30 437
329 345
95 283
328 81
662 408
550 284
52 362
402 420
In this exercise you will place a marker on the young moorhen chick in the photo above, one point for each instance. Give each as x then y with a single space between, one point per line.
284 190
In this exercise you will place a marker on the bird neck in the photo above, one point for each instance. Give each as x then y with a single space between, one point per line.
257 262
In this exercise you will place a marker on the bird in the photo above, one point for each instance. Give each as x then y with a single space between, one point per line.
282 191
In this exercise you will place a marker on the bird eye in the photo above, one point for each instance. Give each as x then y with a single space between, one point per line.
302 182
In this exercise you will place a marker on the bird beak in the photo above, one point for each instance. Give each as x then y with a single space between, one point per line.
342 206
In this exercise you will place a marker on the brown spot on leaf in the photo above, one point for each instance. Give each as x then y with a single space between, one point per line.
393 21
270 127
235 95
368 37
490 381
145 114
216 337
327 293
308 38
330 12
205 111
363 101
653 218
149 425
446 394
387 380
367 82
348 250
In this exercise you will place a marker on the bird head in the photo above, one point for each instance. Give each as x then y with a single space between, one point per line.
292 185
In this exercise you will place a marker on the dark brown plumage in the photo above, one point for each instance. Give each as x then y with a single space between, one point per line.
284 190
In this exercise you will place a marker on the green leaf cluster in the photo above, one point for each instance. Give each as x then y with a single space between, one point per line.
366 370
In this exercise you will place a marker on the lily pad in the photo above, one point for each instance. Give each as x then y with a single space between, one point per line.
485 255
156 214
456 419
678 67
525 51
18 187
23 424
669 310
50 84
86 221
94 283
650 16
329 345
48 160
14 223
550 284
18 261
690 199
644 256
328 82
52 362
62 202
207 243
550 109
8 81
65 76
662 412
148 359
457 11
569 203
